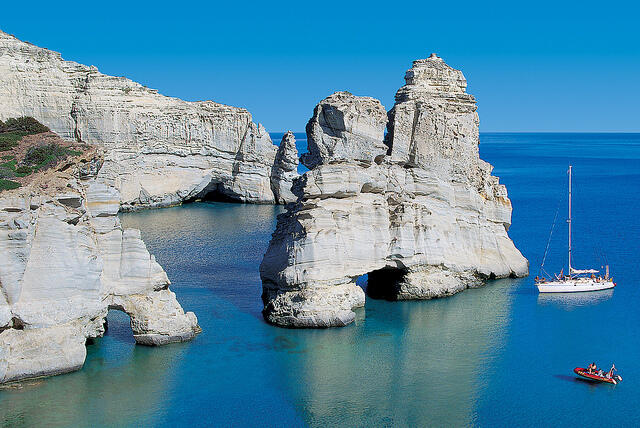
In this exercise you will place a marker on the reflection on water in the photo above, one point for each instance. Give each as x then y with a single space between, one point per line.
574 300
111 390
405 363
401 362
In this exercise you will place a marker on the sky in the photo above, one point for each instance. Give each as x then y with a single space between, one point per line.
544 66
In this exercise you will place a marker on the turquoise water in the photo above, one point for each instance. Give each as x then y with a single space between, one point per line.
500 355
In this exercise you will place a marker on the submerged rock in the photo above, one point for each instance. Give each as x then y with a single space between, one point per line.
65 260
160 150
422 215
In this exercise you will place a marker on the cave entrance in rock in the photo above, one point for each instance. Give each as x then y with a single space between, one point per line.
383 283
215 192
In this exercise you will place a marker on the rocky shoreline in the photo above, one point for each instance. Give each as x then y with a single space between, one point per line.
66 261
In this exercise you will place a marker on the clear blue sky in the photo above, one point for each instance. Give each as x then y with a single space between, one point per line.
533 66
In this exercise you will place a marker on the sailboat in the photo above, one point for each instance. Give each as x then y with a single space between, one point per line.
578 280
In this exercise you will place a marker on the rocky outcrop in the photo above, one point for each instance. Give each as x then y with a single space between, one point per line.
285 169
160 151
64 262
343 128
421 215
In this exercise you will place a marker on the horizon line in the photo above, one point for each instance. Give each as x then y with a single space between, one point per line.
514 132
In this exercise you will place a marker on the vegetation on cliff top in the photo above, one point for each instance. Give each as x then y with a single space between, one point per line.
30 155
23 124
46 155
12 131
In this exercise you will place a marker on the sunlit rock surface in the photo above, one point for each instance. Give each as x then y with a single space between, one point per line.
64 262
160 150
345 128
285 169
422 215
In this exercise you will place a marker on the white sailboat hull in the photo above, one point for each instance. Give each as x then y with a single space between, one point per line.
574 286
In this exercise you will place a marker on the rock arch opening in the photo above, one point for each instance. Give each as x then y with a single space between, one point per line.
118 324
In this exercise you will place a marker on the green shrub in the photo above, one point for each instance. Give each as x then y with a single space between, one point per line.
25 124
9 140
8 185
10 164
6 172
46 155
23 170
8 157
8 169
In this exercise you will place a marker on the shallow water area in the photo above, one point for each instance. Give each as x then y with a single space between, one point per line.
500 355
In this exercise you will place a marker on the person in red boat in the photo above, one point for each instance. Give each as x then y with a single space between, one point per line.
611 370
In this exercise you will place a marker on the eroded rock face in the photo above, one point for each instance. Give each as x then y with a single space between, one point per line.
434 123
64 262
160 150
285 169
345 128
426 220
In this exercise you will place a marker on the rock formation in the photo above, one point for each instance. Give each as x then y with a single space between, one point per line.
421 215
285 169
160 150
344 127
64 262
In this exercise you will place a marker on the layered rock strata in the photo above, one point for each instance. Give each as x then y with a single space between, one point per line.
65 261
421 215
160 151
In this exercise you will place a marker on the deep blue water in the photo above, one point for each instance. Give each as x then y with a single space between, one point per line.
500 355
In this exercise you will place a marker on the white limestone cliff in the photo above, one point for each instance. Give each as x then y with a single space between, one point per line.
65 261
160 150
421 215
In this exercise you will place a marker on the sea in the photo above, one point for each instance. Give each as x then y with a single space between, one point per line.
499 355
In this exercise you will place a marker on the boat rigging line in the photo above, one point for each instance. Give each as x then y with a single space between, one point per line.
546 250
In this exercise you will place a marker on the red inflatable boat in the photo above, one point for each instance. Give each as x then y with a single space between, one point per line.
593 376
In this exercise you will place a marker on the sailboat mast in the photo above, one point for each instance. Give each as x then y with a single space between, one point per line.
569 221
